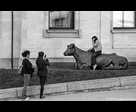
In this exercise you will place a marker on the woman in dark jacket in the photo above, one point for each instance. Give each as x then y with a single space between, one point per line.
42 71
27 72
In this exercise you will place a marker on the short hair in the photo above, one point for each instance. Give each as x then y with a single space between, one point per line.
94 37
25 53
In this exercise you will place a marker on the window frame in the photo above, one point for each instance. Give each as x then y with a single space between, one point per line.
65 28
127 27
62 33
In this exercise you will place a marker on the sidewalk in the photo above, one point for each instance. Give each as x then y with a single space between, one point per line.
120 95
92 85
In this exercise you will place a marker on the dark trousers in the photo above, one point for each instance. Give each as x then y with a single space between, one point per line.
42 83
95 55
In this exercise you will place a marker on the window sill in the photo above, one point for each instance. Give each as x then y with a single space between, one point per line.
123 31
61 33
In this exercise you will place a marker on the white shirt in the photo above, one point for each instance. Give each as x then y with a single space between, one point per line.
97 46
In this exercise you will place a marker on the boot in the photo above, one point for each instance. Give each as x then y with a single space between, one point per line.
94 67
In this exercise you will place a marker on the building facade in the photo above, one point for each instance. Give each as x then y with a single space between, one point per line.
52 31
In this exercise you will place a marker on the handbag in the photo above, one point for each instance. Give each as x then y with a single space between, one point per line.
21 71
32 72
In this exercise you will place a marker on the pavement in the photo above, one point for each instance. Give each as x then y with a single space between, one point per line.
115 95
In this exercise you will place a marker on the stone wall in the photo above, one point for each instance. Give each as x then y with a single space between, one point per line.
54 47
31 32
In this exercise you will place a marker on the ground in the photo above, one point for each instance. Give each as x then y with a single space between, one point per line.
116 95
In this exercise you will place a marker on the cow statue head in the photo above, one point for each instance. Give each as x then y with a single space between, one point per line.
70 50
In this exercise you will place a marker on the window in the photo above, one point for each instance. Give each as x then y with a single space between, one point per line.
61 19
61 24
124 19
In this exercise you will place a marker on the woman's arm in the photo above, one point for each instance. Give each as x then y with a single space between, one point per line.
96 43
47 63
91 50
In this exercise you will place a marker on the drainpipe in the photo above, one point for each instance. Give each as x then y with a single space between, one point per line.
12 35
100 26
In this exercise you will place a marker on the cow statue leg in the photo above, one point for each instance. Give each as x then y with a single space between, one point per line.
84 67
75 66
110 67
120 63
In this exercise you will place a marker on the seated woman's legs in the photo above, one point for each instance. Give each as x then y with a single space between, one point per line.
95 55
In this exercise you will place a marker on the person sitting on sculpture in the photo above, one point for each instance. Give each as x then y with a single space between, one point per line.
104 61
97 50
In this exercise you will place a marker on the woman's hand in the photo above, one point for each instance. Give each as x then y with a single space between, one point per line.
33 67
93 41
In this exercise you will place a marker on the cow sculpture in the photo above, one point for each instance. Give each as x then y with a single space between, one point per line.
104 61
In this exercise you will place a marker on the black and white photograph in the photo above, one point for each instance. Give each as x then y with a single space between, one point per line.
67 56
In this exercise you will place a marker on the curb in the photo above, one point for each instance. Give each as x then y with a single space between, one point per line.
114 83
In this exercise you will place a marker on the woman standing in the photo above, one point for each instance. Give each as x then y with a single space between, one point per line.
42 64
27 70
